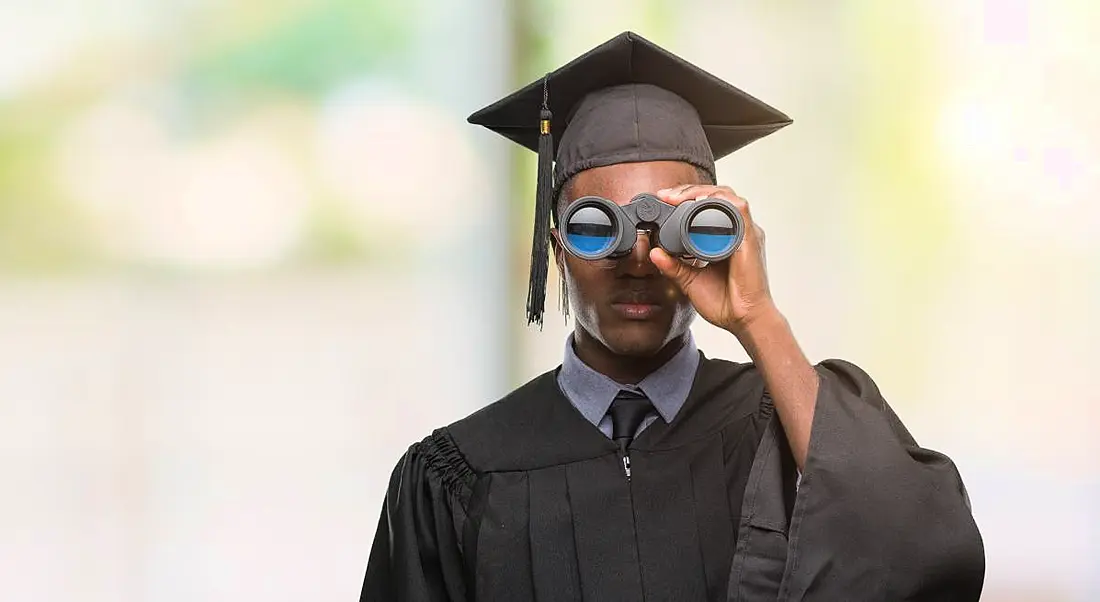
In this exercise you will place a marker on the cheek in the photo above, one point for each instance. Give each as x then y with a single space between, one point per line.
588 280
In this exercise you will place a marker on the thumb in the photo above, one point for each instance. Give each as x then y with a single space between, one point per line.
673 269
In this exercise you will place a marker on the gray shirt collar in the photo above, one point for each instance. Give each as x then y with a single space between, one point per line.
592 393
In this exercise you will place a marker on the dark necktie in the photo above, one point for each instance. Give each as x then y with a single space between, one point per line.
627 413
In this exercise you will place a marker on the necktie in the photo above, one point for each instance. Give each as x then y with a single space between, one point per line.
627 413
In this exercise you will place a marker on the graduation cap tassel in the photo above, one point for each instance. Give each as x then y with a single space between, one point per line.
540 244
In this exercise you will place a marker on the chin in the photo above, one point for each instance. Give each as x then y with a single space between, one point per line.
636 340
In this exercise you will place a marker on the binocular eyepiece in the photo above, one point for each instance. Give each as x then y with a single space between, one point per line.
710 229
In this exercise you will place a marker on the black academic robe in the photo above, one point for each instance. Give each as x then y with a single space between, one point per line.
526 500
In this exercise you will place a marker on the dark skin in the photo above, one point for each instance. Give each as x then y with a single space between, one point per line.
626 348
633 314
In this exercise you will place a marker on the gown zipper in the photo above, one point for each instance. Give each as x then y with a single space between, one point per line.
624 456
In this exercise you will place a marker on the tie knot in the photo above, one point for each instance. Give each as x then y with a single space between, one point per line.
627 413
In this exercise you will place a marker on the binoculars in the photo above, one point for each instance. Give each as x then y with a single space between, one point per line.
710 229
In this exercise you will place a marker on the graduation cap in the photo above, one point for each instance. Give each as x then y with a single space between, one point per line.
627 100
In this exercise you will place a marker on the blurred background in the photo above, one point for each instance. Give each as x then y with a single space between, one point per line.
250 251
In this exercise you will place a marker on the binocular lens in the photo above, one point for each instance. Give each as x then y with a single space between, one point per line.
590 230
596 228
711 232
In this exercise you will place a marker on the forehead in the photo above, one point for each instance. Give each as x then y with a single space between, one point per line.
622 181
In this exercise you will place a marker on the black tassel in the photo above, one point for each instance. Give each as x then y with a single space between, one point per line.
540 244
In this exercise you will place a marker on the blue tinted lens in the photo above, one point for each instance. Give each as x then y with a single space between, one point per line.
589 231
711 232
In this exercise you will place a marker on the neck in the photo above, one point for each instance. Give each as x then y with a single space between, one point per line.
623 369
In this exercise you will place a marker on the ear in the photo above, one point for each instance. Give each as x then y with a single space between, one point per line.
559 260
559 250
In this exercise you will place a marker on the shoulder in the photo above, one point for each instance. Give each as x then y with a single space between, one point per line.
739 388
717 372
466 447
727 379
437 457
432 467
510 411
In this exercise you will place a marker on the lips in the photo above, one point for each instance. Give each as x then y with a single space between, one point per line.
636 305
636 311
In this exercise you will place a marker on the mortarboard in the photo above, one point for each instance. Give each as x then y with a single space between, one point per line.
626 100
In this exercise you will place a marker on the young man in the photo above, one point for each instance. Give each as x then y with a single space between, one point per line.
640 469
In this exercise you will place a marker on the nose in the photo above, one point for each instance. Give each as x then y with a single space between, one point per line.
638 263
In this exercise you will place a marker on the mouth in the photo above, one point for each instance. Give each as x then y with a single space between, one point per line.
636 311
636 306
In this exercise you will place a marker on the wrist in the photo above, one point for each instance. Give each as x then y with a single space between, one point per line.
764 317
761 329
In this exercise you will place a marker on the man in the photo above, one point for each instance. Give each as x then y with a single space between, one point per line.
640 469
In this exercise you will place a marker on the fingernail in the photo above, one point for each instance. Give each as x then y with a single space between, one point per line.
663 191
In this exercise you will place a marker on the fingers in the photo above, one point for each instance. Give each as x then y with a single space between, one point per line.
675 195
675 270
674 191
689 192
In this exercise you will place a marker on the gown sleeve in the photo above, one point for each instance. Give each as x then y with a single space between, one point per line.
416 554
876 516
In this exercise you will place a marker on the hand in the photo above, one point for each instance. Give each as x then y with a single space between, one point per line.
730 294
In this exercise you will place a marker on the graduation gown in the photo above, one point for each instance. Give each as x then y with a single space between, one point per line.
526 500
